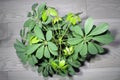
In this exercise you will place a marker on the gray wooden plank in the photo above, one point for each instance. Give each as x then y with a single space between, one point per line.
102 9
85 74
3 75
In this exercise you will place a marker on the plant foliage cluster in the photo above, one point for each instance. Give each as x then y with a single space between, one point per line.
58 45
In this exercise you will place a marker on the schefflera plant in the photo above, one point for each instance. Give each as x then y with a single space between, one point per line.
58 45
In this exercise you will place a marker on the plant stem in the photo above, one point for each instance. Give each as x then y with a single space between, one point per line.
66 30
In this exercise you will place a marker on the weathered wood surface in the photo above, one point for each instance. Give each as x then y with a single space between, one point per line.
102 67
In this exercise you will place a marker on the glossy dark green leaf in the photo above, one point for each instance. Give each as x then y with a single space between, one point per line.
78 30
105 39
39 33
88 25
46 52
100 29
73 41
52 46
40 52
49 35
92 48
32 48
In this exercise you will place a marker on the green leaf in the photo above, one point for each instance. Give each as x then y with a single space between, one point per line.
71 71
62 63
22 57
34 6
44 16
100 29
47 53
30 24
100 49
52 12
20 44
55 53
52 46
40 52
29 14
18 48
51 71
88 25
73 41
40 69
92 48
78 30
48 20
105 39
32 48
34 59
31 62
39 33
83 50
45 73
49 35
41 8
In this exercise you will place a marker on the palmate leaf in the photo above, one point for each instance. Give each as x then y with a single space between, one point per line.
34 6
39 33
83 50
23 57
88 25
41 9
32 48
55 53
73 41
52 12
78 30
46 52
100 29
100 49
52 46
104 39
30 24
40 52
49 20
92 48
49 35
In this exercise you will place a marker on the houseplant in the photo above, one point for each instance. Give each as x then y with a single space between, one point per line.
58 45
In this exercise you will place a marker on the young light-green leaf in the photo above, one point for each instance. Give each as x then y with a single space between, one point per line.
92 48
32 48
105 39
88 25
52 46
49 35
100 29
38 33
47 53
44 16
40 52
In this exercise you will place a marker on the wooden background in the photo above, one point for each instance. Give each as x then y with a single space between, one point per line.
102 67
